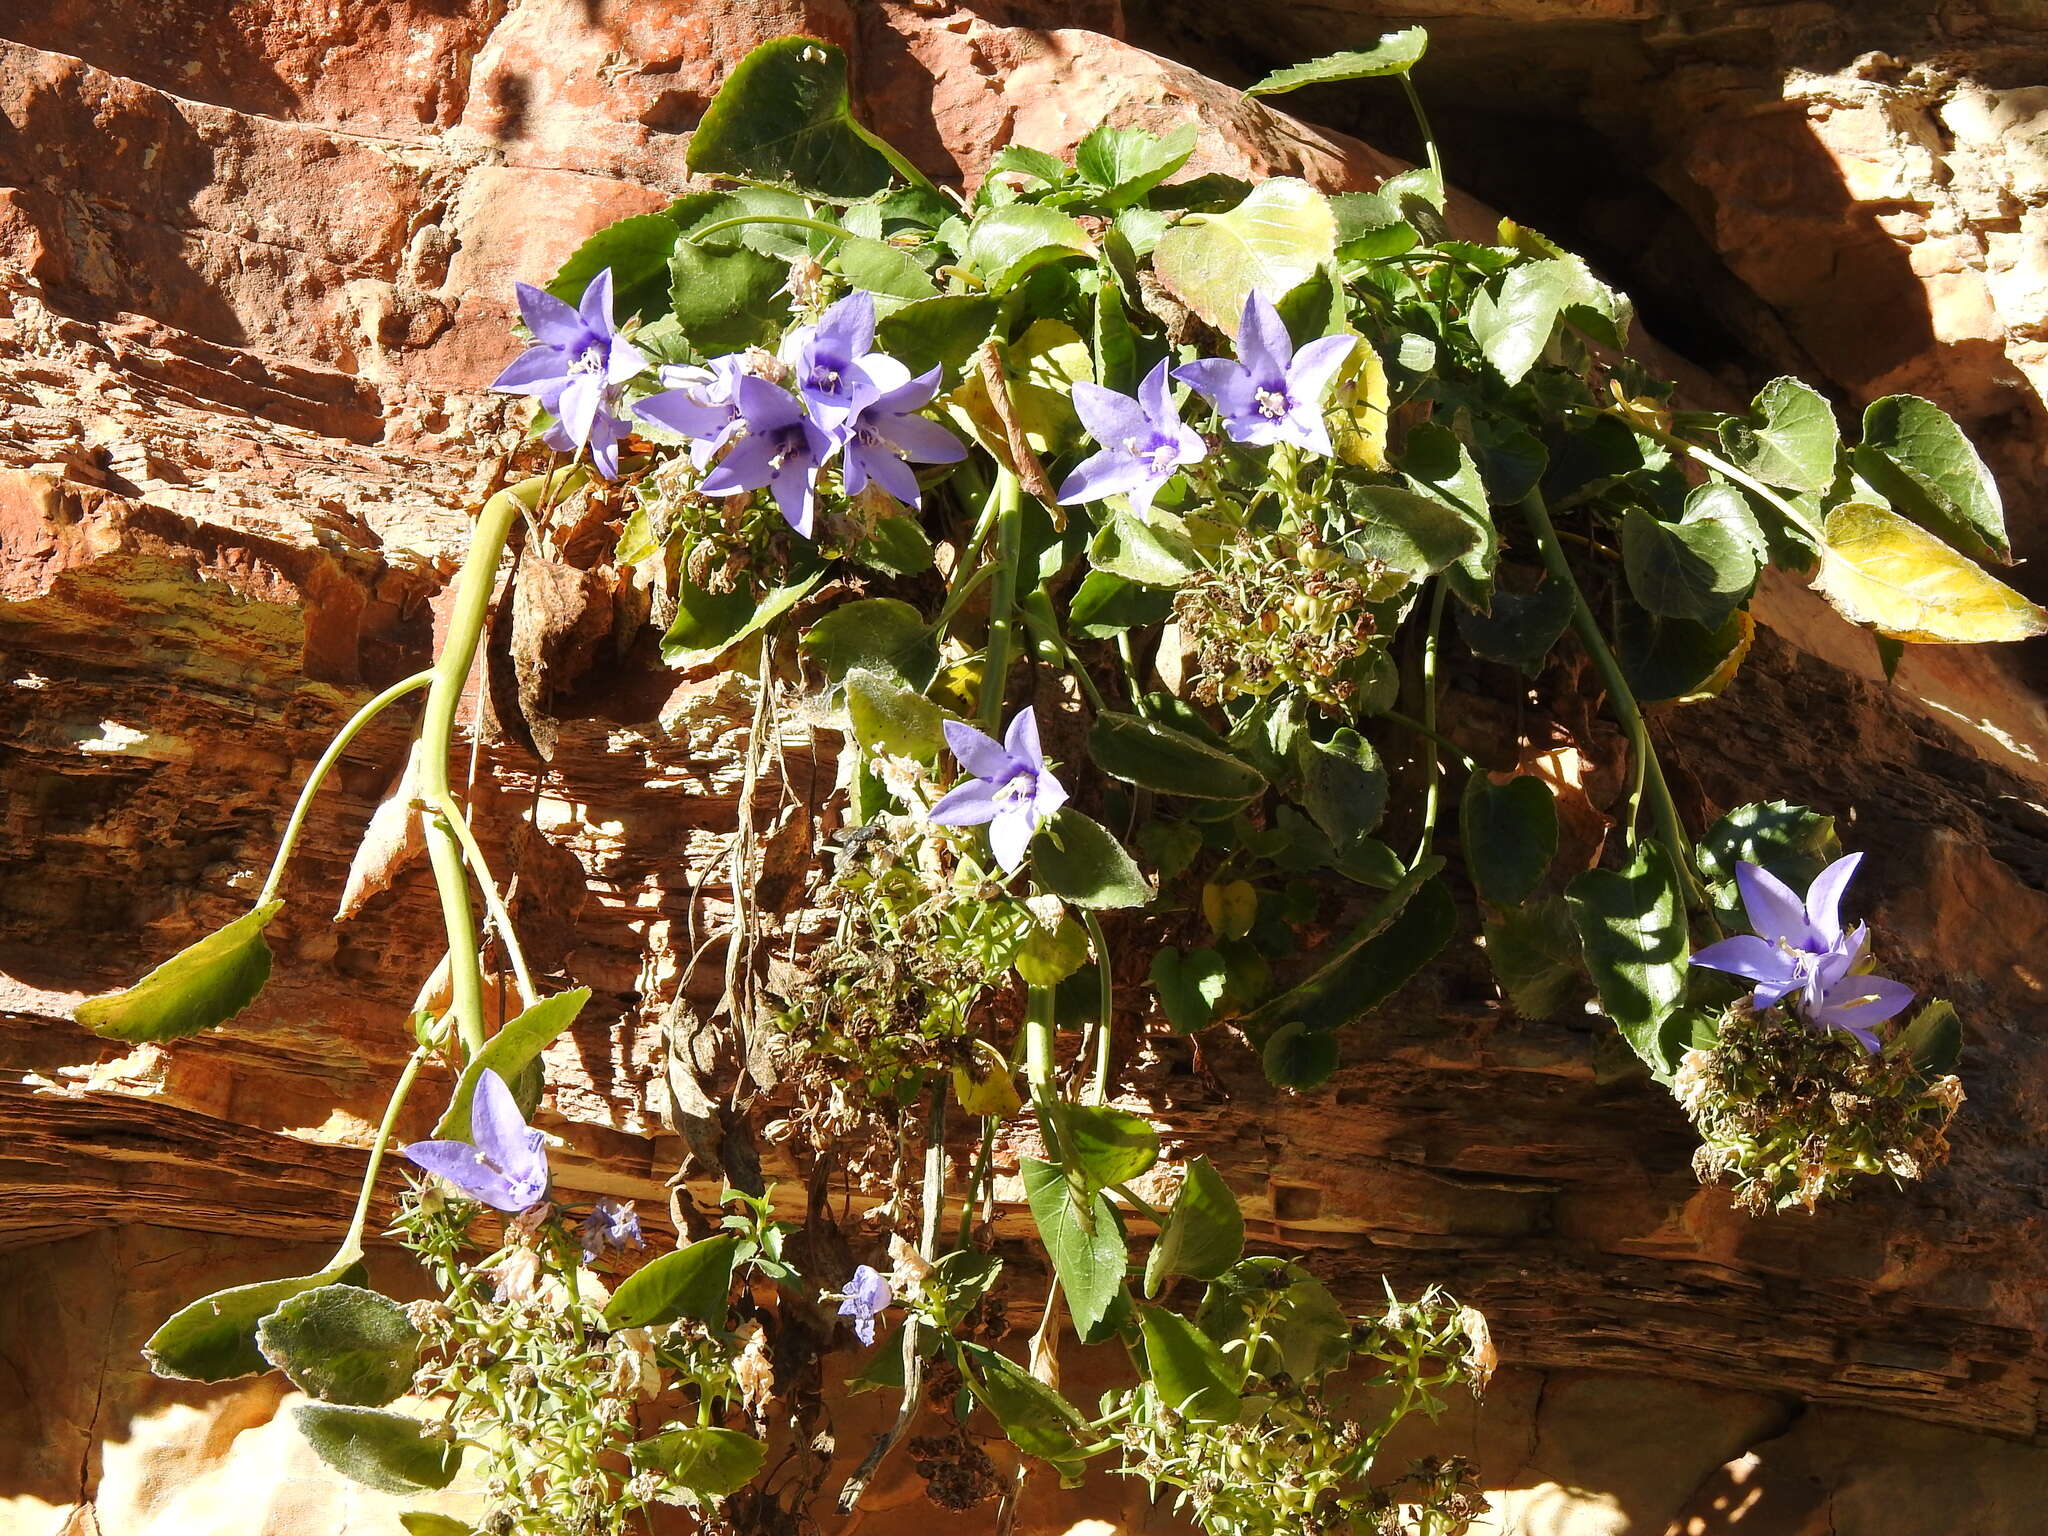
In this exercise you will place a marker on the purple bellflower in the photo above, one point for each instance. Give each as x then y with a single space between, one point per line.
701 404
1011 789
504 1164
1271 394
1143 442
612 1225
867 1297
575 368
836 370
886 431
782 450
1801 947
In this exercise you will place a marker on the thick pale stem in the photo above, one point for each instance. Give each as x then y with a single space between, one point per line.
494 902
1433 767
1002 603
352 1245
324 766
1105 1033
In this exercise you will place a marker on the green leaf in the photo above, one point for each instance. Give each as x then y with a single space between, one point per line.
1186 1368
1116 345
710 1462
1394 54
1151 551
1005 245
1514 325
1127 163
421 1522
214 1338
1437 465
1158 757
1305 1333
1415 535
205 984
1343 787
1534 952
1276 239
1788 440
1696 570
879 267
897 546
1204 1231
1037 1419
1076 860
1520 627
1878 569
725 298
708 624
759 206
1632 924
941 332
783 115
1675 661
1919 461
508 1053
1373 960
1790 841
1048 956
637 251
1190 984
1085 1244
1510 835
386 1451
876 634
888 717
1108 1146
342 1344
692 1282
1298 1057
1106 604
1025 161
1933 1042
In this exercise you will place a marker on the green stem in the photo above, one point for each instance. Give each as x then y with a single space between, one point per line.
1433 767
322 768
1040 1067
984 1162
1105 1037
1002 618
352 1245
1045 627
816 226
451 813
1721 466
1410 723
1619 695
1152 1213
1436 164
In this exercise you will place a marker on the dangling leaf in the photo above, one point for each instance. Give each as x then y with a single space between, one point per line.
1298 1057
692 1282
342 1344
1534 952
1048 956
1632 924
1108 1146
1412 534
1186 1369
1037 1419
1078 861
1519 628
1920 461
1674 661
214 1338
509 1053
1878 569
1273 241
1510 835
1343 788
710 1462
1204 1231
1394 54
1085 1243
200 986
1158 757
1190 984
1697 570
1403 933
1789 439
783 115
386 1451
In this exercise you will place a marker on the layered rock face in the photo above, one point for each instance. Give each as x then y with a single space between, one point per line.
256 258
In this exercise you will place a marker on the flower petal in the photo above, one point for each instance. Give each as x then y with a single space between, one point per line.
1010 834
1111 419
1824 897
967 804
596 308
551 320
1774 911
919 440
497 1128
1021 740
464 1167
579 405
1315 365
749 466
1048 796
531 369
1263 345
792 486
1111 472
1157 400
1747 956
979 753
1208 376
625 361
847 329
680 410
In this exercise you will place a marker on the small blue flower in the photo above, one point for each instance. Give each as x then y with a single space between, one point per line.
575 368
836 371
701 404
611 1225
867 1297
504 1163
782 450
1011 788
886 431
1271 394
1143 442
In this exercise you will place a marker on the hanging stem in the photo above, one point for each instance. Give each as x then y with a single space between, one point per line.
451 813
1002 607
1436 164
1105 1035
352 1245
790 220
324 766
1721 466
1619 695
1432 765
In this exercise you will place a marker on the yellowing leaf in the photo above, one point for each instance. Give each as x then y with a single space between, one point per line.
994 1093
1044 365
1358 410
1273 241
1878 569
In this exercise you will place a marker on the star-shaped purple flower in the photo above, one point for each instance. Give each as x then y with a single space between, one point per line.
612 1225
504 1163
575 368
1801 947
1271 394
1143 442
1012 791
836 370
886 431
782 450
701 404
867 1297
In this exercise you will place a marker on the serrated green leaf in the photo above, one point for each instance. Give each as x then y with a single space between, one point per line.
636 250
1920 461
214 1338
1520 628
1413 534
1005 245
1279 237
1878 569
1514 321
724 298
1204 1231
1509 833
1158 757
203 985
783 115
1673 661
1048 956
1106 604
1790 841
379 1449
709 1461
1343 788
1086 1245
1127 163
1933 1042
875 634
708 624
692 1282
1371 962
1152 551
1436 464
1187 1370
1108 1146
889 717
1078 861
1534 952
510 1052
1788 440
1697 570
342 1344
1632 926
1394 54
1038 1421
878 267
937 333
